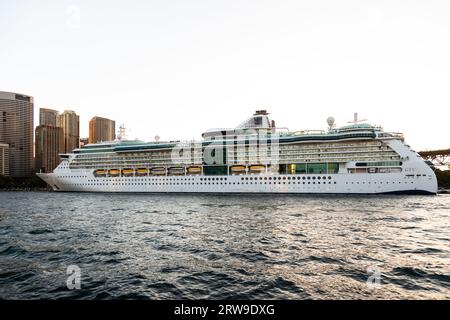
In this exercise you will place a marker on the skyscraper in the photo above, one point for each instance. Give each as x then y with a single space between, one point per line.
49 141
70 122
49 144
101 129
48 117
16 129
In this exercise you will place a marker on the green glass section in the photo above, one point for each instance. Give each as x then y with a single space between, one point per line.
333 167
313 168
296 168
300 168
317 168
216 155
215 170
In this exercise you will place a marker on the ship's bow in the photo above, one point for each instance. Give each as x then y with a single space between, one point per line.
49 178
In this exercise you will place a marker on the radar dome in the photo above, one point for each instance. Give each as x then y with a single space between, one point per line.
330 121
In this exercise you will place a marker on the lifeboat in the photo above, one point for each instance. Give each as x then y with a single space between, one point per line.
257 168
194 170
237 169
114 172
100 173
127 172
158 171
176 171
142 171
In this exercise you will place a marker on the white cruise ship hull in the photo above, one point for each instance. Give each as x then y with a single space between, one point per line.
291 184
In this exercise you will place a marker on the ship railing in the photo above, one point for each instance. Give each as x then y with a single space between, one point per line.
308 132
397 135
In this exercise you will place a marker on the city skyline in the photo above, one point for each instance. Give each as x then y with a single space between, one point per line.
187 67
26 149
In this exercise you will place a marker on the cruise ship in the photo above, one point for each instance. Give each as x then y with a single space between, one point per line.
254 157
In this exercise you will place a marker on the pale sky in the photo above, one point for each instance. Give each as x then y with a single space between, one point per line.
177 68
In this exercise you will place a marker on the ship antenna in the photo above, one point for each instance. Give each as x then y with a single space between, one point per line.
122 132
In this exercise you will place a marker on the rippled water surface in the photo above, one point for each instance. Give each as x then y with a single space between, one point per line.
224 247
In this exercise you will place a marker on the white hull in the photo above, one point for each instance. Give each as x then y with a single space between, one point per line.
333 183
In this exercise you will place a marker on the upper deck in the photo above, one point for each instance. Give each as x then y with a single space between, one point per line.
256 127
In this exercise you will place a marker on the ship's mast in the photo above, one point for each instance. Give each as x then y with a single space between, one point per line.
356 119
122 133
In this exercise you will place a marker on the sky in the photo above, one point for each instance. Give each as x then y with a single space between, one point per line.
175 68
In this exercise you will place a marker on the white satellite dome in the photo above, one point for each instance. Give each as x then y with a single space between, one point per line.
330 121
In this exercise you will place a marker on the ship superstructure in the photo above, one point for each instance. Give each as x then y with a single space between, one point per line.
254 157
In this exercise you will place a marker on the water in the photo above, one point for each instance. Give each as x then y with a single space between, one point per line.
133 246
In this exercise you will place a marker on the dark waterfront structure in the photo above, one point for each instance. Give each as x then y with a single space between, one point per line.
16 130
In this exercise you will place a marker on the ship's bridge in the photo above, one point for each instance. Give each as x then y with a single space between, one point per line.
259 121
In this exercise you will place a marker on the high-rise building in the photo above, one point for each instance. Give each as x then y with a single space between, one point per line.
16 129
49 144
49 141
48 117
70 122
101 129
4 159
